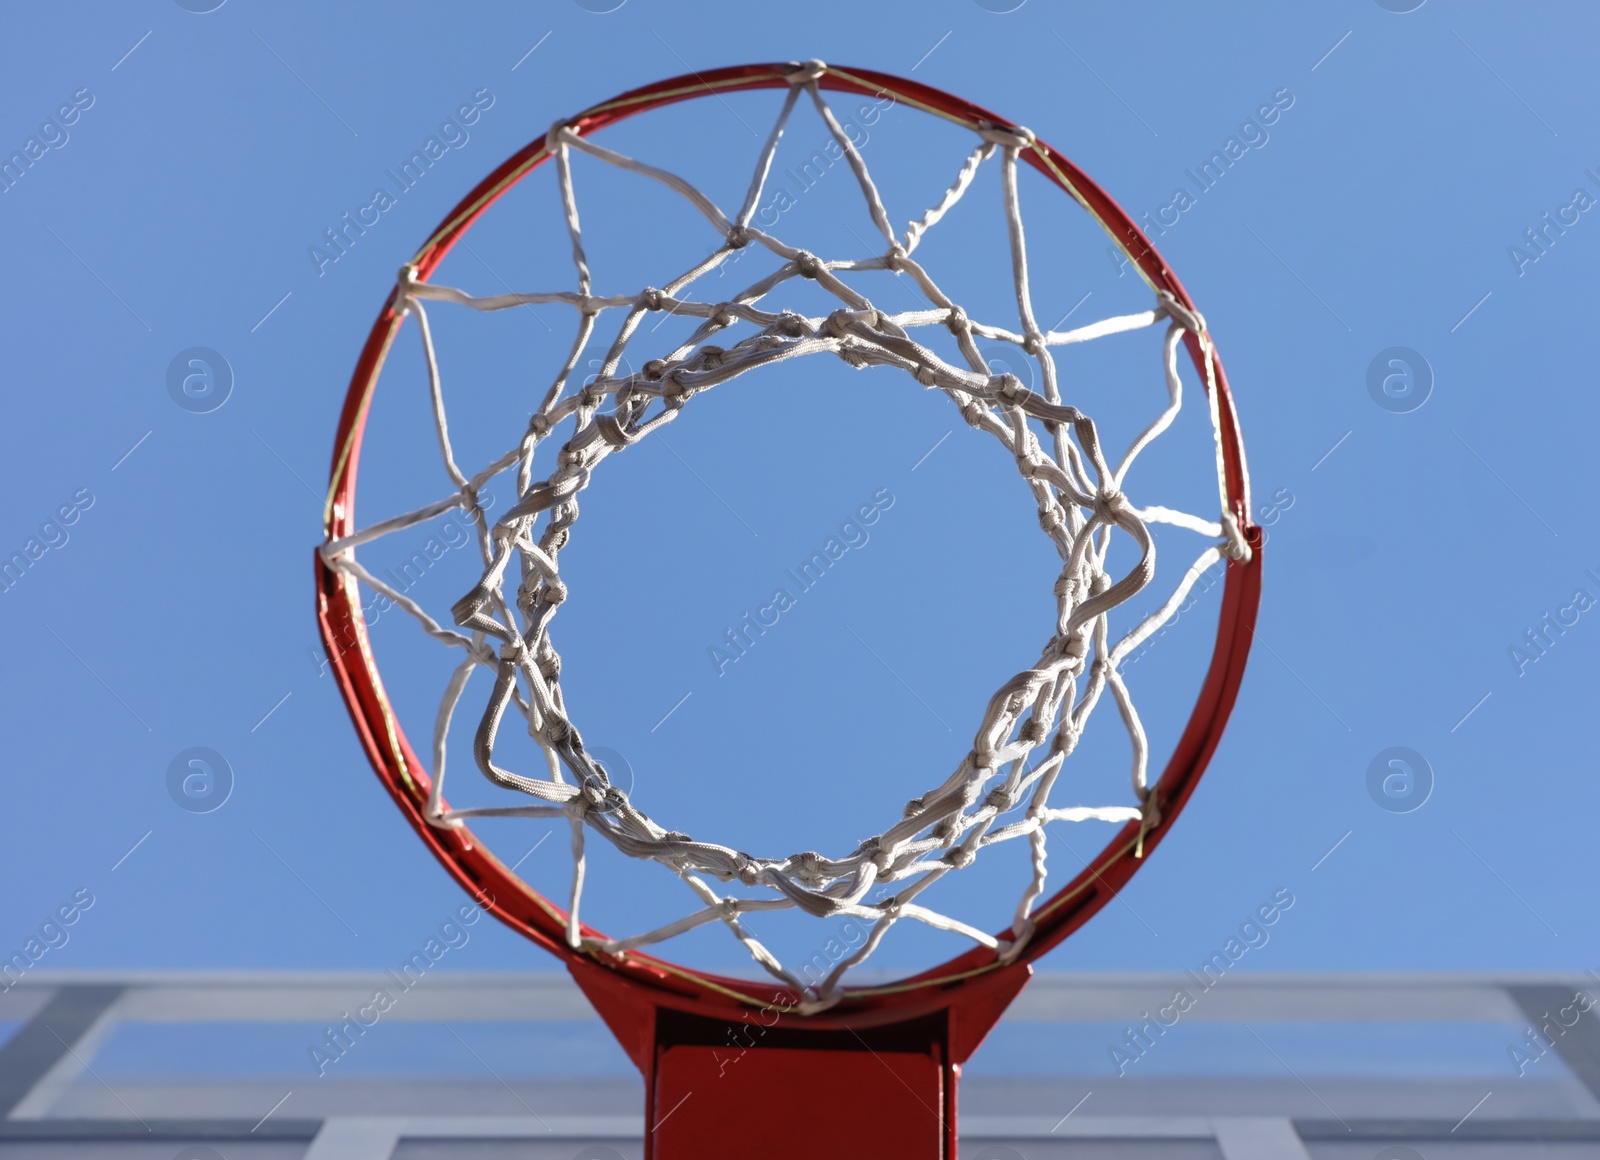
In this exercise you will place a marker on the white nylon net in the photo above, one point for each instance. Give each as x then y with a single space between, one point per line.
1001 789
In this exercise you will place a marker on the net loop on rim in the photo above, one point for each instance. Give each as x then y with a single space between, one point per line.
1001 789
1011 138
808 73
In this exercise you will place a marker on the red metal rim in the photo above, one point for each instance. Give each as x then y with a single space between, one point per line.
541 920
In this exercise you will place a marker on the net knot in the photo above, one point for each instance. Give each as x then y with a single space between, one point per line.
539 425
673 387
711 357
926 375
1034 345
838 324
595 797
807 264
1031 466
650 298
807 73
724 315
1008 387
974 412
791 325
528 597
1015 137
1190 320
746 868
1110 503
958 858
556 731
469 499
738 237
983 758
999 800
882 859
957 322
1072 650
807 869
631 399
572 461
654 369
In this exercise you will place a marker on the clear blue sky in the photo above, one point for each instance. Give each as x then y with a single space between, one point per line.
200 156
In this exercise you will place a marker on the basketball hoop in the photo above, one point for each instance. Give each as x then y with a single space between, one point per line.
672 1020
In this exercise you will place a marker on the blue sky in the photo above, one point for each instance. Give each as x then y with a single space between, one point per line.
1409 366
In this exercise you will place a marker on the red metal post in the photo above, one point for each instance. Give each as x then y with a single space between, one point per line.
770 1082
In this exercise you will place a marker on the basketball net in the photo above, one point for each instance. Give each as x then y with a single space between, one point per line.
1001 790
